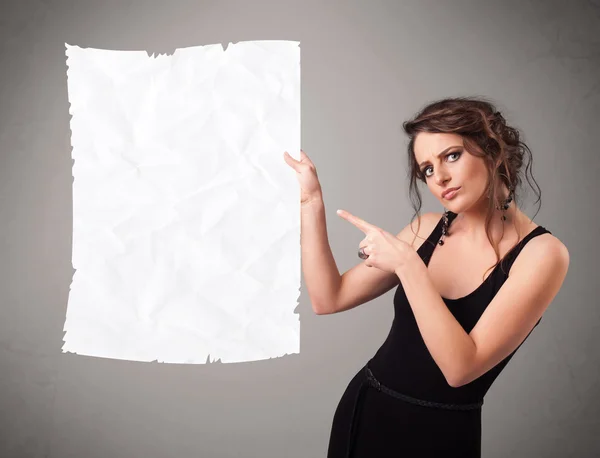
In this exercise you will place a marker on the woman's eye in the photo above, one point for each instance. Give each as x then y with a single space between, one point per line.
458 153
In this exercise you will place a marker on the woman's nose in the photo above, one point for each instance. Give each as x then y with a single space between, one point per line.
441 179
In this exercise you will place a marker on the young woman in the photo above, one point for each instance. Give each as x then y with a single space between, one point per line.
472 283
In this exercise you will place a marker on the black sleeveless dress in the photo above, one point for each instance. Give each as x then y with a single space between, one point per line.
399 404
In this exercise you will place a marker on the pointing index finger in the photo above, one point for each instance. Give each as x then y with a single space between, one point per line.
360 223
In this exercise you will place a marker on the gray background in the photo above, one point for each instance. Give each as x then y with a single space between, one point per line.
366 67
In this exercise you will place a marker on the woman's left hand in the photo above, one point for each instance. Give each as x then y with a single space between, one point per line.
386 251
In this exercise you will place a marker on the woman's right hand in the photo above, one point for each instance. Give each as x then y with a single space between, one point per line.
306 172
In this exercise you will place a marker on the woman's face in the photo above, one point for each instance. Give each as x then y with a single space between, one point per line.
454 167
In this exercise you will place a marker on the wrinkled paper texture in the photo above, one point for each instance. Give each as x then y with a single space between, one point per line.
186 217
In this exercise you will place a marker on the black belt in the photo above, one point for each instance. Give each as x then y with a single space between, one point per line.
372 381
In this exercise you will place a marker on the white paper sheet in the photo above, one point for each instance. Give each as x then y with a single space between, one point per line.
186 217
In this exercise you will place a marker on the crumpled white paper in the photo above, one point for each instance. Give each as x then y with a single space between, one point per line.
186 217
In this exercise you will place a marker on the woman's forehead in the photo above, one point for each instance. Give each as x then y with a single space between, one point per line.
431 144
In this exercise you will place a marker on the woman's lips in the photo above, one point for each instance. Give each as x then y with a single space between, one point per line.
451 194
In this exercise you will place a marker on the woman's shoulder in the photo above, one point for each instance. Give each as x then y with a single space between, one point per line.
543 242
538 244
422 230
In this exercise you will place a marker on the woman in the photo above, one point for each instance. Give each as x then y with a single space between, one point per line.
472 282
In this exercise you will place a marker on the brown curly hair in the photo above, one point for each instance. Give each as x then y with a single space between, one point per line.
485 134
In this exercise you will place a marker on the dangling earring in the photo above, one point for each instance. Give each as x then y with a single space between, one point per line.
444 228
505 205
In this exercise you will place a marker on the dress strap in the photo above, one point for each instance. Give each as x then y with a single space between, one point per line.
509 258
426 249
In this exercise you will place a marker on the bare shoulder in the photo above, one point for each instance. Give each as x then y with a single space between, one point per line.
428 222
544 249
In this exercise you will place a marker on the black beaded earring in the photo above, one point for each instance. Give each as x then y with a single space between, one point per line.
506 203
504 206
444 228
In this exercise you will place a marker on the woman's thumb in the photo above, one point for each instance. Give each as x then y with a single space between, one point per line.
288 158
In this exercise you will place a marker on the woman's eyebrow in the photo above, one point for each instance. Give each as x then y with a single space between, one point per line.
439 154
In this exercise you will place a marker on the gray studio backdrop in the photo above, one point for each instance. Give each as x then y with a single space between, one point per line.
366 67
